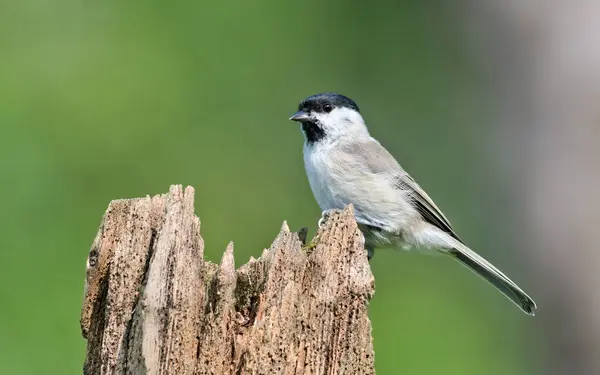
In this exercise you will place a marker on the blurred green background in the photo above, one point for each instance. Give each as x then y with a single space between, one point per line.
120 99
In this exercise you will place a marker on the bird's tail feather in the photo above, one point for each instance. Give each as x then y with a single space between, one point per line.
494 276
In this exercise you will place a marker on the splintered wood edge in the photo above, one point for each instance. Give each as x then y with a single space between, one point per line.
116 267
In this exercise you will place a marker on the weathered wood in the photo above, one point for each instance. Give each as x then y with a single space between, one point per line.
153 305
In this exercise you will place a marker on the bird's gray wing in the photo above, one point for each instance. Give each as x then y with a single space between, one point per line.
379 160
424 204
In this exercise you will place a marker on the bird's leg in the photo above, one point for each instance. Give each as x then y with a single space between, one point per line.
370 252
325 215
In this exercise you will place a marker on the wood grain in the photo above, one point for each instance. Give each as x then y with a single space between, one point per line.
153 305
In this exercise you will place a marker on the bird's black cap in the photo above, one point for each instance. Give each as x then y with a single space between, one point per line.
318 102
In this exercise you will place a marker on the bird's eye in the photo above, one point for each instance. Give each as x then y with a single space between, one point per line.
327 107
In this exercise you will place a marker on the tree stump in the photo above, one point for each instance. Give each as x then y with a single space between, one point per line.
153 305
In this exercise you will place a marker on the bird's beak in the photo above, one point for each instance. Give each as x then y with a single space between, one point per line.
300 116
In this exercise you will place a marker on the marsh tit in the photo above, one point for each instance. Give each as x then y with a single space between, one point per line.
346 165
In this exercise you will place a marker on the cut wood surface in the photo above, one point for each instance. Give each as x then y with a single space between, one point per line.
153 305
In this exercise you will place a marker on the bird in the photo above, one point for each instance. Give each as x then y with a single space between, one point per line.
346 165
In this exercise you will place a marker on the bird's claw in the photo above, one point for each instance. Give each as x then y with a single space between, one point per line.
325 215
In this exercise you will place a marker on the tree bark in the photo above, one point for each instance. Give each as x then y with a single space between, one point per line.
153 305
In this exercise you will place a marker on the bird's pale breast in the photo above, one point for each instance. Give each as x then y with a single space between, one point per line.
338 179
